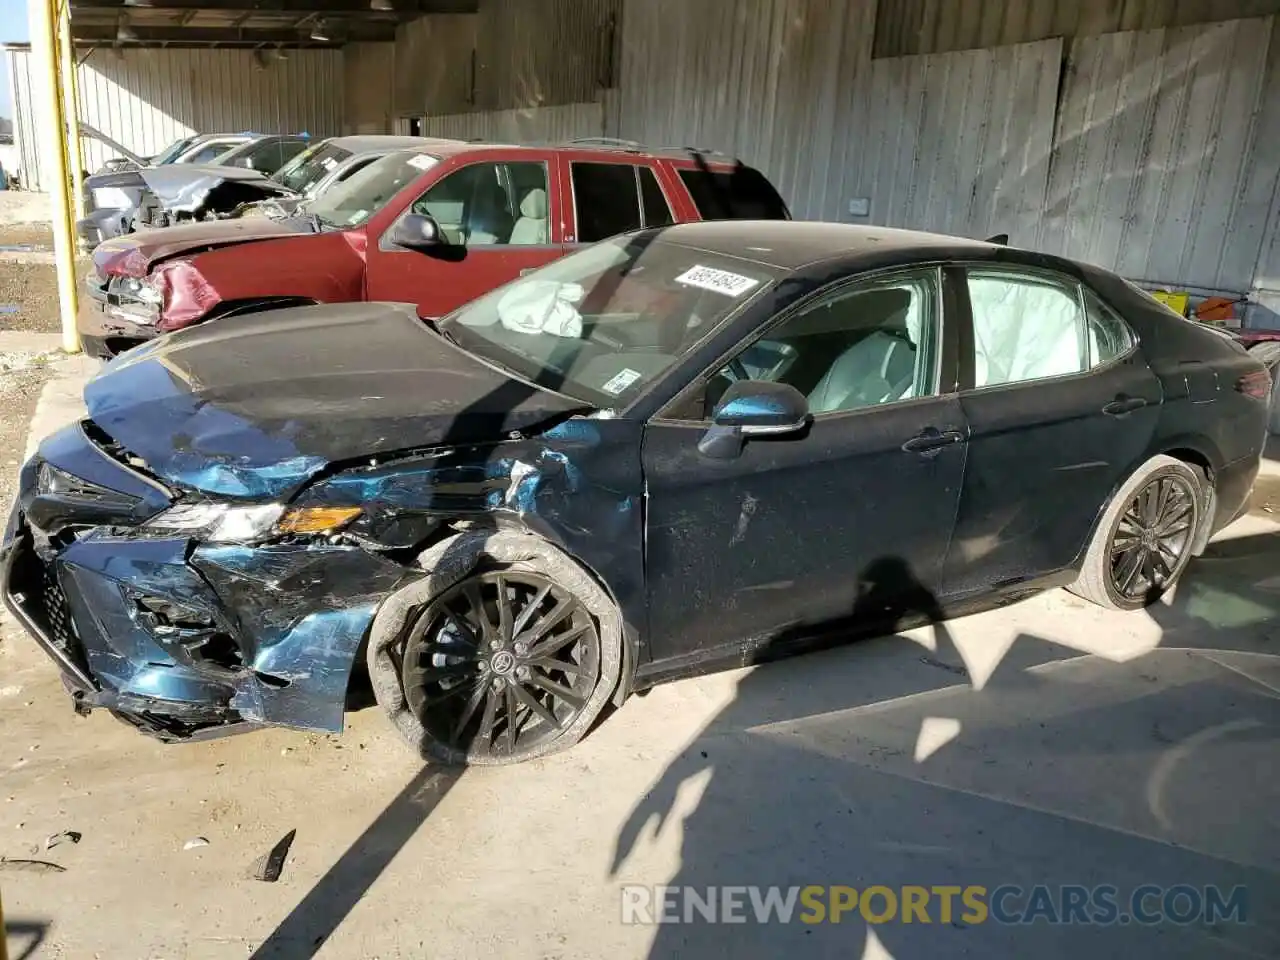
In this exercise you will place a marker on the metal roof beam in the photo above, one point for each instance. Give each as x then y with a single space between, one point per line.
203 36
353 7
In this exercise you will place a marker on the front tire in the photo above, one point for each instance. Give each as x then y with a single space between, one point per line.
1145 537
507 650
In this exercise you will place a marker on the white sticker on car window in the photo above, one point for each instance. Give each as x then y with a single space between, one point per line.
328 163
719 281
421 161
620 381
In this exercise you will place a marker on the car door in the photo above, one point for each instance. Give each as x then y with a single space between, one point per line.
498 219
1061 407
851 517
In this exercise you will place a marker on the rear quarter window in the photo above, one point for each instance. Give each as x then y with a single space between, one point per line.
741 194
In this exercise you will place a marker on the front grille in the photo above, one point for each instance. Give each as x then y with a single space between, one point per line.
34 587
53 608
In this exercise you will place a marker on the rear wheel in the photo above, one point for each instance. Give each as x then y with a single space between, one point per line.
1145 538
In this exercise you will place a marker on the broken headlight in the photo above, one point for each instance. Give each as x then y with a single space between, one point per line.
134 298
236 523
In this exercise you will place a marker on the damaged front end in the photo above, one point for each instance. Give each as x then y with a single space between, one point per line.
124 202
177 635
208 551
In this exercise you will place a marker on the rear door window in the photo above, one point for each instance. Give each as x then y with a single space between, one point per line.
741 194
605 198
657 212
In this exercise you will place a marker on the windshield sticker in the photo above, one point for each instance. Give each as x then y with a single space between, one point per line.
421 161
329 163
620 381
718 281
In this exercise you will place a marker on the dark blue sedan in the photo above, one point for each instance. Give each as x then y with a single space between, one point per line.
679 449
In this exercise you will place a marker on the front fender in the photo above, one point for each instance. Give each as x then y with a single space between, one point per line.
325 268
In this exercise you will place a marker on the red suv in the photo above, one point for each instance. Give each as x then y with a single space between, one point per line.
436 226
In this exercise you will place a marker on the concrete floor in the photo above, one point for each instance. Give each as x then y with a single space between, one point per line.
1046 743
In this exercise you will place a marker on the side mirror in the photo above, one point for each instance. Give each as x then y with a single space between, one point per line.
753 408
416 231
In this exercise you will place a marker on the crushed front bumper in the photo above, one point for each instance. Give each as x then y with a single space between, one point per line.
180 638
104 335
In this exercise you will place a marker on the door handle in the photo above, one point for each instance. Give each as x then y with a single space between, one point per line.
1123 406
527 270
931 440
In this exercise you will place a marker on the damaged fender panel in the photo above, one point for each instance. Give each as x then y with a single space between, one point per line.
301 612
327 268
538 484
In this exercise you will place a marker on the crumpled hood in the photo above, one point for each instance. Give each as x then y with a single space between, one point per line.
184 186
135 254
256 406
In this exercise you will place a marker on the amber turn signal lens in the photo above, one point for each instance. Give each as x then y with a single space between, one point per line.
316 519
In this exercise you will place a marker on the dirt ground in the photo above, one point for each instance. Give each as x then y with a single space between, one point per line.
31 288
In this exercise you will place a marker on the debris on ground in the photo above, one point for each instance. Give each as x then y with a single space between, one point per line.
268 867
949 667
66 836
29 866
195 842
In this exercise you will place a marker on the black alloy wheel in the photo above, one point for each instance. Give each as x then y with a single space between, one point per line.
500 664
1151 539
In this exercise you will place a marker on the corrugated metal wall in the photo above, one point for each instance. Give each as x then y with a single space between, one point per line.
906 27
25 137
771 81
144 99
532 125
510 54
544 53
958 143
369 79
433 65
1156 172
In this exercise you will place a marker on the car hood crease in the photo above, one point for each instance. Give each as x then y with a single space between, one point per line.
255 407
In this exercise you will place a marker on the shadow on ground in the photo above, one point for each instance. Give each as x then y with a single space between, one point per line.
23 937
1061 769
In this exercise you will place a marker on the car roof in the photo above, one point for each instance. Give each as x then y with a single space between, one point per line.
363 144
585 149
791 244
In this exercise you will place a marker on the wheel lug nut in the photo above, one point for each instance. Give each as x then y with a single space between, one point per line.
522 673
521 649
497 683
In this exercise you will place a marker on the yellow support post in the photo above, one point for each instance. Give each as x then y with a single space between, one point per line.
71 109
43 16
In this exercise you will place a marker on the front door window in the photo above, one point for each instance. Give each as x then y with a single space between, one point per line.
491 204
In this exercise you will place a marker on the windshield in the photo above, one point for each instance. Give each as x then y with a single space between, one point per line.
352 202
171 151
602 324
303 172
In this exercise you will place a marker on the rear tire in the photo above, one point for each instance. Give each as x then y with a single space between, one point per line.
1145 538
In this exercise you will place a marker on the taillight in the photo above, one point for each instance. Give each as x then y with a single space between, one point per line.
1256 385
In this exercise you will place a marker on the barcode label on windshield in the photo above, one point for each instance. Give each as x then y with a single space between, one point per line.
718 281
